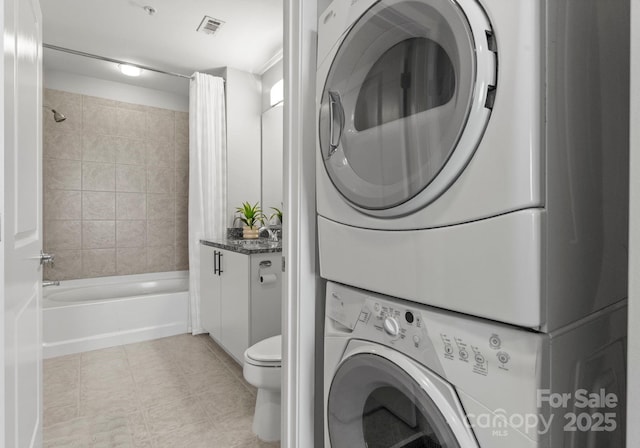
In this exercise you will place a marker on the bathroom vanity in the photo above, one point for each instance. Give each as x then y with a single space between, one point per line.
241 292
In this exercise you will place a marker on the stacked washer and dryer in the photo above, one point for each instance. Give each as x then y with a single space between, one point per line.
472 201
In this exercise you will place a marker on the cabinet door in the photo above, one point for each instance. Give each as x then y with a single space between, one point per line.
234 304
209 292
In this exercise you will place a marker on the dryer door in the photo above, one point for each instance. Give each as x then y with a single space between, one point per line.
381 399
405 102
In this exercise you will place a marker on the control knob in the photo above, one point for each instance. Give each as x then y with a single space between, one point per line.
391 326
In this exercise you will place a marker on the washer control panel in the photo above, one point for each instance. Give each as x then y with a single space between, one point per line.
442 341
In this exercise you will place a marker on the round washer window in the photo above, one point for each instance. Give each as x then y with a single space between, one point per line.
375 404
396 100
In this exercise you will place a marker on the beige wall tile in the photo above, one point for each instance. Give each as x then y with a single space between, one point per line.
100 119
182 232
113 171
182 155
98 176
160 180
98 262
131 206
62 145
182 127
98 205
161 233
182 258
98 234
161 259
182 182
131 123
182 207
160 125
63 235
131 260
62 204
130 151
67 266
161 206
94 101
160 153
99 148
130 178
69 104
62 174
131 233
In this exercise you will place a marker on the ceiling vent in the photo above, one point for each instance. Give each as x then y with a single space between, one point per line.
209 25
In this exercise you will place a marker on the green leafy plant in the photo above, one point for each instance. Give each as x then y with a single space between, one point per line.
250 215
276 214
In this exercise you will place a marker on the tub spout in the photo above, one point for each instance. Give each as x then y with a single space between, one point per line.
50 283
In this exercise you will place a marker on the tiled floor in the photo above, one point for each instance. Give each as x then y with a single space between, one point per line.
177 392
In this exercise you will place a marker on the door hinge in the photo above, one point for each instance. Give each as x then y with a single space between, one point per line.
283 264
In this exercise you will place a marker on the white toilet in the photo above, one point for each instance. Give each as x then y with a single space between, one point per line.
263 369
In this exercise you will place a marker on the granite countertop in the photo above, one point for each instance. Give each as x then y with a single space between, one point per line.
246 247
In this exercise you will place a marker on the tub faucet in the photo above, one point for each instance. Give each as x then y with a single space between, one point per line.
50 283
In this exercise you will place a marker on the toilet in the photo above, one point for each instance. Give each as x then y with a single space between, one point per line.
263 369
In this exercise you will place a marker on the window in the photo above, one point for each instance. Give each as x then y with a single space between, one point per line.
277 93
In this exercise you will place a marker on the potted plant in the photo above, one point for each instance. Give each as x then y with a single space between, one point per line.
276 214
252 217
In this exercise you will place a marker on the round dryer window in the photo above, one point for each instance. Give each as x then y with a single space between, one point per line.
406 101
373 403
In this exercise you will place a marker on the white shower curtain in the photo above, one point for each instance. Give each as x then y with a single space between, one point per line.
207 176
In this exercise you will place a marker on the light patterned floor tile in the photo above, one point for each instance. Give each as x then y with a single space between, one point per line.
181 391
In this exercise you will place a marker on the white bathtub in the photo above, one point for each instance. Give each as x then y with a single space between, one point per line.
89 314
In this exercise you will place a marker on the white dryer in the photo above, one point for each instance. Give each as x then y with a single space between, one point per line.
472 154
403 375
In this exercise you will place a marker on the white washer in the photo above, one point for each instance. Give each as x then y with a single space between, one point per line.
472 154
400 374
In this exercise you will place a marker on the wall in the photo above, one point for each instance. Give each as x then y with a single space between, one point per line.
115 187
244 94
86 85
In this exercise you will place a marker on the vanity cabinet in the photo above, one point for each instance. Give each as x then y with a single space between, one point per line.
237 309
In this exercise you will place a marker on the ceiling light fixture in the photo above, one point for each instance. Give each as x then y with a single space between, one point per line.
129 70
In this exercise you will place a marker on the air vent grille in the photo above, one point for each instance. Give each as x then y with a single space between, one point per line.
209 25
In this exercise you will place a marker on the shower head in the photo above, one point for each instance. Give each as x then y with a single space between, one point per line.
57 116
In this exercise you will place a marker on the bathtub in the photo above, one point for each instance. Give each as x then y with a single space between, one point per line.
89 314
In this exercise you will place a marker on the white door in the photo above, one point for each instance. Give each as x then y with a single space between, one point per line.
22 223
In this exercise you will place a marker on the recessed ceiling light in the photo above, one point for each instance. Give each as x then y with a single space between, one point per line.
130 70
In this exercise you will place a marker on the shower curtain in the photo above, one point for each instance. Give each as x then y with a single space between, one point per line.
207 176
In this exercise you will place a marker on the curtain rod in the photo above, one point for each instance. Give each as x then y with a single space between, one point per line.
115 61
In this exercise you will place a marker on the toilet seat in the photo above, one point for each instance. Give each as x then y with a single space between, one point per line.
266 353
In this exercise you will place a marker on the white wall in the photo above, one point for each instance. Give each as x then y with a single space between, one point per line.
633 377
244 111
85 85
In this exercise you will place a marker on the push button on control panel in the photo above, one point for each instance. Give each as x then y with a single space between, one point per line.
503 357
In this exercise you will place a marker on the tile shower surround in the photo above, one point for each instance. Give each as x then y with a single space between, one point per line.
116 186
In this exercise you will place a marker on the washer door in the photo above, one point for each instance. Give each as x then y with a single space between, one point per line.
403 89
376 401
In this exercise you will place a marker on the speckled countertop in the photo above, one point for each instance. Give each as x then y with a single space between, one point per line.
246 247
